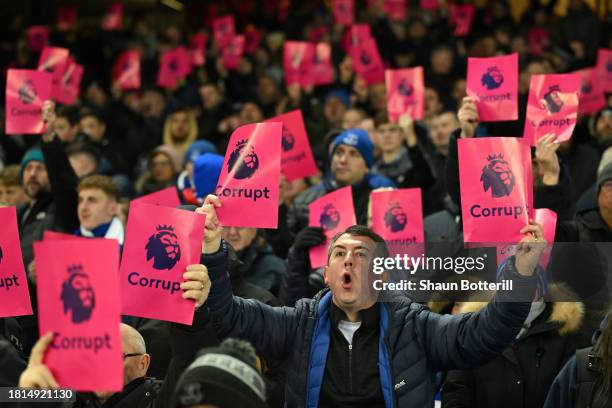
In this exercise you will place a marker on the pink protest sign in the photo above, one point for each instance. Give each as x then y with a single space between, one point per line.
461 17
396 10
316 34
175 65
357 34
552 107
496 188
113 17
197 49
430 4
232 53
604 66
591 92
70 86
127 70
38 36
168 197
296 156
252 39
250 177
367 62
343 12
297 61
538 40
66 18
548 219
397 216
322 69
160 243
333 212
405 93
78 300
14 295
26 91
223 31
54 60
494 83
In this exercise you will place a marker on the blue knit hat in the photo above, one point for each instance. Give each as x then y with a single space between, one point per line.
34 154
359 139
198 148
206 171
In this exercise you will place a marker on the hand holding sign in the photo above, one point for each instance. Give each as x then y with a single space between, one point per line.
468 117
548 162
530 248
212 227
196 285
48 117
38 375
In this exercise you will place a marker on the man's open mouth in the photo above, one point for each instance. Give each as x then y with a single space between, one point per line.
346 280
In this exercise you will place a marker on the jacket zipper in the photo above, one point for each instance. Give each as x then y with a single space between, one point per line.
350 358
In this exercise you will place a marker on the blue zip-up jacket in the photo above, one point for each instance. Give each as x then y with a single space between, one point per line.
415 343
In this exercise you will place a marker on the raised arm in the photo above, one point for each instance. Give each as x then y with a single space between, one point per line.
468 340
271 330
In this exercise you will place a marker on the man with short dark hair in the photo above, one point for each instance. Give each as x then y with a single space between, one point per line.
98 201
11 190
346 347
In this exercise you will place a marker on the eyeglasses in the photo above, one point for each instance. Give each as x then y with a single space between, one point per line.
607 186
126 355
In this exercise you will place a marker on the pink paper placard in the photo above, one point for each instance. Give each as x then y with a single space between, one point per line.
55 61
397 216
494 83
66 18
113 17
127 70
462 17
232 53
405 93
604 66
322 70
367 62
357 34
252 39
26 90
250 177
297 160
552 107
78 300
223 31
297 61
396 10
14 295
70 86
334 212
168 197
496 188
160 243
430 4
197 49
173 67
591 92
343 12
38 37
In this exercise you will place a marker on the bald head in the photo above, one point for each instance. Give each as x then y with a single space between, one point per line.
131 340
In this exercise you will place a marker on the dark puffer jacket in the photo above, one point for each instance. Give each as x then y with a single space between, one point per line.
522 374
416 343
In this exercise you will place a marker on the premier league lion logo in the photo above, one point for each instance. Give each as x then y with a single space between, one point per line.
609 66
245 163
27 92
552 101
404 88
288 139
77 295
586 87
164 248
364 58
493 78
395 218
330 218
497 176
